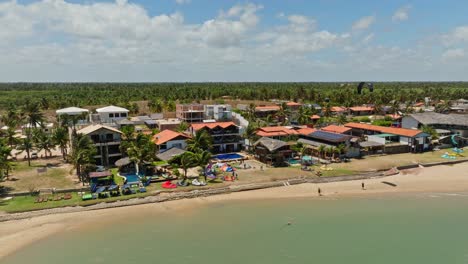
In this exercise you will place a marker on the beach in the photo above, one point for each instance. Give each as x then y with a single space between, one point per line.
17 234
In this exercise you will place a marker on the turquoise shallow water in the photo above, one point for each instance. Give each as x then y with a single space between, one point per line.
423 228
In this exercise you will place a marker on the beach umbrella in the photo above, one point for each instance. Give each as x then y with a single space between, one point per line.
122 162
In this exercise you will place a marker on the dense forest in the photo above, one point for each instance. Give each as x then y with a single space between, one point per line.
58 95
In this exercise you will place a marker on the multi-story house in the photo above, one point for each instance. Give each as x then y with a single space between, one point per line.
111 114
218 112
227 136
190 113
107 142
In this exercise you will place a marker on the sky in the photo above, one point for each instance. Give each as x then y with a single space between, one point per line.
233 41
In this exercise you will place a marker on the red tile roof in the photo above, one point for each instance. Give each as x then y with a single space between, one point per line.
212 125
390 130
306 131
361 108
293 104
275 131
337 109
167 135
267 108
336 129
394 116
314 117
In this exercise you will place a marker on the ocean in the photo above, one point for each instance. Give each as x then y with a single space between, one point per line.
405 228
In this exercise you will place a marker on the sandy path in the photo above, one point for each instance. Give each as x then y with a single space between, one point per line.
17 234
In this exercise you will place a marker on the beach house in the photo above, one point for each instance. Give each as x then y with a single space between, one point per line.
221 112
168 139
107 142
263 111
361 110
111 114
326 139
283 132
80 115
453 123
227 136
272 152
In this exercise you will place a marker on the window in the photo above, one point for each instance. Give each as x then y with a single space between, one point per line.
123 115
111 115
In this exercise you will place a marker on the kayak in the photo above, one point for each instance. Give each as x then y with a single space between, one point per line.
168 185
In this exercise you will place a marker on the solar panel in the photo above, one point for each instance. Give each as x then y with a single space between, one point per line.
327 136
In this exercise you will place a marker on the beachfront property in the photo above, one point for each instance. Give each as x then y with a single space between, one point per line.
263 111
391 139
361 110
111 114
283 132
168 139
80 113
320 138
221 112
107 142
47 128
337 129
190 113
454 123
272 151
227 136
170 123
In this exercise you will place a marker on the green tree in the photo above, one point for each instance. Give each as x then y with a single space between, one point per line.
186 161
33 117
182 127
341 119
26 144
430 131
200 141
43 141
321 150
5 164
82 156
141 149
61 139
250 133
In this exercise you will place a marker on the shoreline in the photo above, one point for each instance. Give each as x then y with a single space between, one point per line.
19 233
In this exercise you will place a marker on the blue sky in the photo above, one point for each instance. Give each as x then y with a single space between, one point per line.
201 40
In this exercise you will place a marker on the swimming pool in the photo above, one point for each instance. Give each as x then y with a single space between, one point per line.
230 156
132 178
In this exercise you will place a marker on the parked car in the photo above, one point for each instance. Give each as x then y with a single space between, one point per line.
34 155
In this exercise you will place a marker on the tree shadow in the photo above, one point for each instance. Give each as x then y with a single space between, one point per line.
389 183
4 190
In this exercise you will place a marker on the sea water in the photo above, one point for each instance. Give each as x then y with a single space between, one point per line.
417 228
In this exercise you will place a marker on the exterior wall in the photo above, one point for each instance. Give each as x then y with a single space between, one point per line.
190 113
409 122
112 117
376 139
107 144
353 152
181 144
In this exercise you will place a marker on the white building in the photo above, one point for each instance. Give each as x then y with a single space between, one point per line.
74 111
111 114
218 112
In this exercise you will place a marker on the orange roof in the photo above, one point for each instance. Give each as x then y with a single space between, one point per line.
267 108
167 135
314 117
306 131
337 109
293 104
212 125
275 131
390 130
419 104
394 116
336 129
361 108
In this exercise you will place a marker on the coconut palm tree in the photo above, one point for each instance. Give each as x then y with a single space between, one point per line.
321 150
341 119
61 139
33 117
26 144
329 152
5 164
82 155
141 149
188 160
44 142
303 116
182 127
200 141
250 134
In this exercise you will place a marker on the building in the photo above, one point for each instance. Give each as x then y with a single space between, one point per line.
47 128
320 138
107 142
168 139
282 132
218 112
190 113
171 124
272 152
266 110
293 106
455 123
361 110
227 136
337 129
81 113
406 140
111 114
338 110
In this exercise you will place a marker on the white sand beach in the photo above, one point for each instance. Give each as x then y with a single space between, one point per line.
441 179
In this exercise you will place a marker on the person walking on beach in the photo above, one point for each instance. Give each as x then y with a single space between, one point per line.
319 192
362 186
261 167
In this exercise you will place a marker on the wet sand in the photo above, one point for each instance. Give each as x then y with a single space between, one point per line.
441 179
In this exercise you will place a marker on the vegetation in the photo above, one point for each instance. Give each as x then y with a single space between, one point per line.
82 156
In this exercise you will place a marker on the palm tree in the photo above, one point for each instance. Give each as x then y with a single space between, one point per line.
321 150
304 115
141 149
341 119
201 141
61 139
341 148
251 112
182 127
43 141
188 160
329 151
203 158
27 145
82 155
33 117
5 164
250 134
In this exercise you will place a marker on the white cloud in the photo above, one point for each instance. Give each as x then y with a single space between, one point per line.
363 23
453 54
401 14
456 36
368 38
182 2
